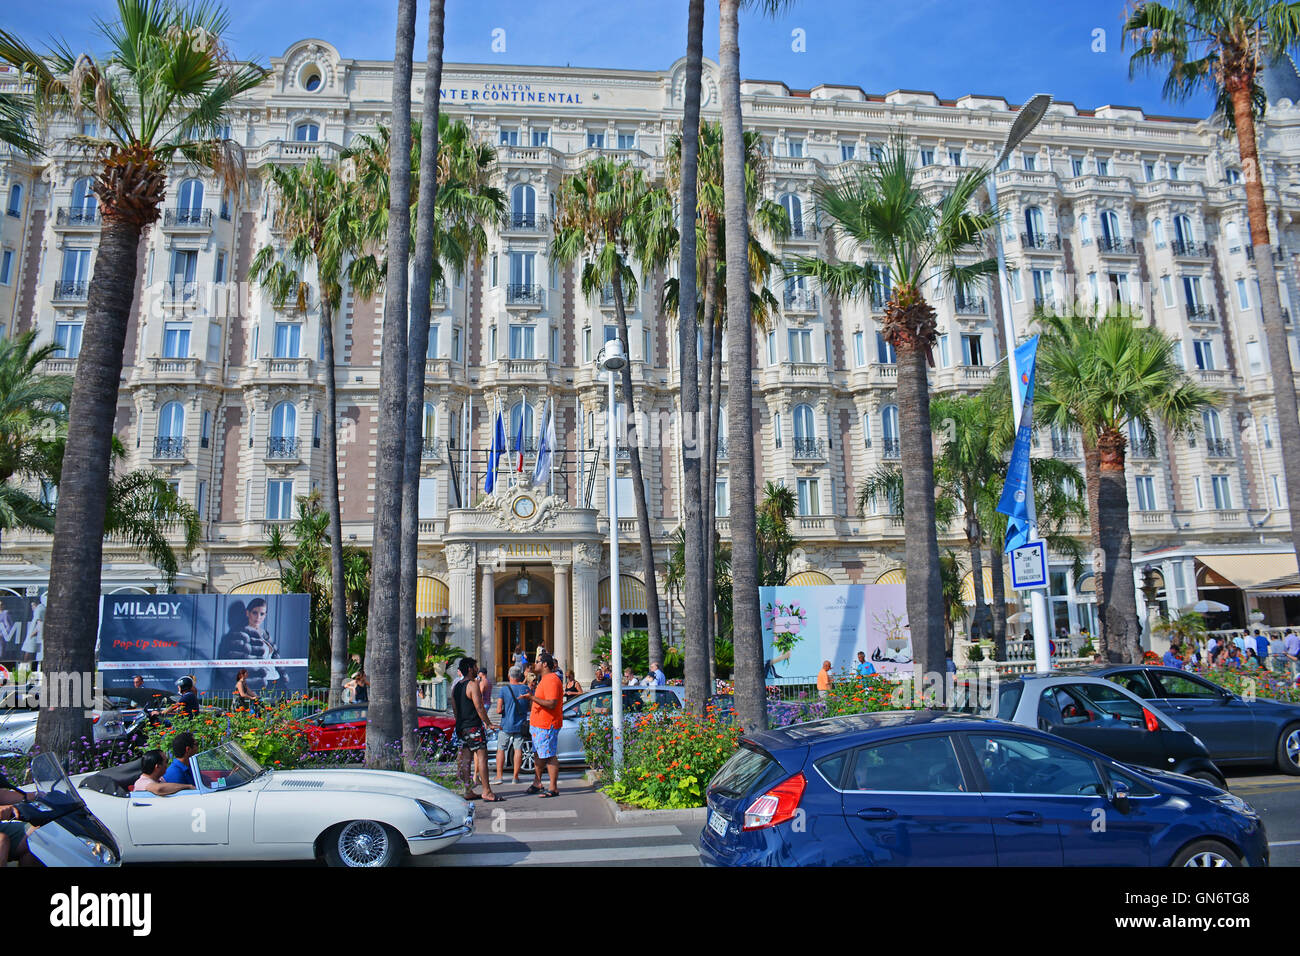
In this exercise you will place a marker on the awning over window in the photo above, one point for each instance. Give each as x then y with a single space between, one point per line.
804 578
968 586
261 586
1254 572
631 595
893 576
430 597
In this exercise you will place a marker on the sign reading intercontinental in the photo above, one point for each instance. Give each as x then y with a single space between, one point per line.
511 93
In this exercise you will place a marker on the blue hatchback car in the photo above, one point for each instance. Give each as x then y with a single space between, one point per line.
936 789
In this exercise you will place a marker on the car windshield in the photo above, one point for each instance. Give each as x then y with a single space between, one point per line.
226 767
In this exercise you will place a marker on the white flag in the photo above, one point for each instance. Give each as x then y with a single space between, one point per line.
545 449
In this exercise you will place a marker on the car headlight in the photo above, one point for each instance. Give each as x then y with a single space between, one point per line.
103 854
435 813
1230 801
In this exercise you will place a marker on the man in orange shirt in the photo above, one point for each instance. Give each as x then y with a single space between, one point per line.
824 680
544 723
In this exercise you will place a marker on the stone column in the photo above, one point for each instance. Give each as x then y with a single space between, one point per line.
562 640
586 614
487 620
460 594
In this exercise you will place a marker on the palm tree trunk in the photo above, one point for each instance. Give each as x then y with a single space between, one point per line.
921 547
697 597
707 344
418 345
1270 307
746 625
1119 610
999 597
76 563
338 590
981 619
1092 479
711 508
384 726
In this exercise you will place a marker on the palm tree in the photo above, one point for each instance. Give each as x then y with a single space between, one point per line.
1223 47
160 96
608 215
1098 374
884 215
384 727
16 124
775 542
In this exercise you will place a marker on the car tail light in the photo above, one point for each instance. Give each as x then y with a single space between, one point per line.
94 719
777 805
1152 723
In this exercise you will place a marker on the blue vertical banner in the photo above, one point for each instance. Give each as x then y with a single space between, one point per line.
1018 485
496 450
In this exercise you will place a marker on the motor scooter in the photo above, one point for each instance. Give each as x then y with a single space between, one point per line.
65 832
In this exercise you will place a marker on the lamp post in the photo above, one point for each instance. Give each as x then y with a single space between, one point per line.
1029 116
612 360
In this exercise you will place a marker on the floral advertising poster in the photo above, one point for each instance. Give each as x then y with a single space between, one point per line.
803 626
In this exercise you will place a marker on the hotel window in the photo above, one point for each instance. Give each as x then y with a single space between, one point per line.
554 353
1076 165
252 347
611 333
76 268
771 348
859 349
1167 290
555 274
1222 492
205 429
794 211
1094 288
1200 494
1103 167
595 140
306 133
954 157
1255 358
647 345
1268 433
1158 233
431 351
509 137
885 352
1031 162
1243 296
800 343
794 148
876 153
1017 293
722 498
848 151
586 344
1233 235
6 267
493 277
1233 176
185 267
927 157
224 208
455 344
523 206
1042 279
427 502
15 206
201 501
1192 290
1150 170
972 353
279 500
49 493
288 340
809 496
1119 287
1174 170
521 341
626 140
492 344
1085 229
944 360
315 430
176 340
541 137
1277 490
67 336
776 427
866 429
521 271
1146 493
219 272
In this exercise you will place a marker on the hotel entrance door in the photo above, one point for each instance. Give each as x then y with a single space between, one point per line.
520 625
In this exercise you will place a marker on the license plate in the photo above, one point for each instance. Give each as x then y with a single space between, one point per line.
718 823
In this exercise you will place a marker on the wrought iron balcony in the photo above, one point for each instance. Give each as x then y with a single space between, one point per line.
1277 253
187 218
1187 247
1115 244
167 446
801 300
880 300
439 294
804 230
281 447
1040 240
69 290
1146 450
972 307
607 297
528 222
1200 313
1065 448
891 448
1044 302
432 448
77 216
523 294
721 448
809 448
1218 447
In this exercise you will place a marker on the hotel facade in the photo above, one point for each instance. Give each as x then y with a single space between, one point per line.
222 391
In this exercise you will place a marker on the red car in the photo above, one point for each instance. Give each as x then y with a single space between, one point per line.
344 728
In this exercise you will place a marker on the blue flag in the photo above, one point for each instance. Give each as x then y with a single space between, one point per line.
545 449
496 451
1018 487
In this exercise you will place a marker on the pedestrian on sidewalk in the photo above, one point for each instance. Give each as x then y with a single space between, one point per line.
824 680
514 722
472 725
572 688
545 721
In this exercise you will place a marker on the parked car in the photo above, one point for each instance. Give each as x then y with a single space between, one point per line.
636 700
1236 731
344 728
1109 719
934 789
120 714
358 818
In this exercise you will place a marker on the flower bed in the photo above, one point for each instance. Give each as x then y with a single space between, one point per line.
1258 682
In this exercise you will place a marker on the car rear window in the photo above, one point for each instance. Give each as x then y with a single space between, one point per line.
742 771
924 765
1009 699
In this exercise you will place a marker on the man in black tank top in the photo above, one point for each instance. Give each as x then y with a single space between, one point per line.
472 725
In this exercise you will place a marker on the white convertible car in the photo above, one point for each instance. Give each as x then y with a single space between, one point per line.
242 811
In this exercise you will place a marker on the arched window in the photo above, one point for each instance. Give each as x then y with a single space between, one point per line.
1212 425
1183 230
516 410
306 132
284 420
1158 232
805 424
794 209
1232 233
15 199
889 431
189 201
429 423
523 206
84 201
171 420
1110 226
1034 223
1085 229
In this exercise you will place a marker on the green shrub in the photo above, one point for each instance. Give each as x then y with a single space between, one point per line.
274 738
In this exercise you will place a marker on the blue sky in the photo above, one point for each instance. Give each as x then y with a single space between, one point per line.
1000 47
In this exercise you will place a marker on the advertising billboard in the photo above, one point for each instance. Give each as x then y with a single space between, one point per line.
210 637
805 625
22 618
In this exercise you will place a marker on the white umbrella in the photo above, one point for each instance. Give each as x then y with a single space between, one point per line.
1207 607
1020 617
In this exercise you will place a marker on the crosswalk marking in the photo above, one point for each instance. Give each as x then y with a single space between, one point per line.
552 857
562 836
525 814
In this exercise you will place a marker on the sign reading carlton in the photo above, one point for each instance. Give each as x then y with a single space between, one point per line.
210 637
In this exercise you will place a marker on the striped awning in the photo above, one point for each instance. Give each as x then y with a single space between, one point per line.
968 586
893 576
260 586
809 577
431 597
631 595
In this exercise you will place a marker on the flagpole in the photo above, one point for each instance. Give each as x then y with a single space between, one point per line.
551 490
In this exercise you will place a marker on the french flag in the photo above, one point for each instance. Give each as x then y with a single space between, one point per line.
519 446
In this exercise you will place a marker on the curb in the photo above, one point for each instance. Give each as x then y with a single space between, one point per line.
685 815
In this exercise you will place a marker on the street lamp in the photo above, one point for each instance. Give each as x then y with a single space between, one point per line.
612 360
1029 116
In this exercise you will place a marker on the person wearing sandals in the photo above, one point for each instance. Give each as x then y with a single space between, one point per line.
545 720
472 725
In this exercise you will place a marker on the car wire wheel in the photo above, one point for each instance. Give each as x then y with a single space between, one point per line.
364 843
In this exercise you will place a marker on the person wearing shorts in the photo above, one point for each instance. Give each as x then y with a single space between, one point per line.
545 720
514 722
472 725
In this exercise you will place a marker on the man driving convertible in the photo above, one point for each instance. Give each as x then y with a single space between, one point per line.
13 831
